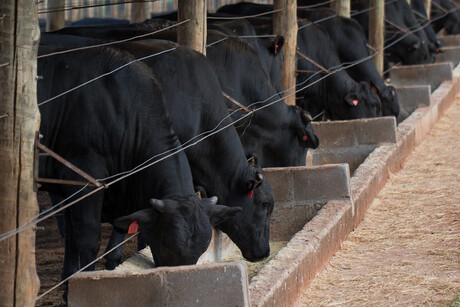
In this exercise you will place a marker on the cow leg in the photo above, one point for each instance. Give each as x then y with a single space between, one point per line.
86 221
56 199
114 258
71 253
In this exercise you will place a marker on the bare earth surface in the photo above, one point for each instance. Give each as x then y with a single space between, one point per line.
406 251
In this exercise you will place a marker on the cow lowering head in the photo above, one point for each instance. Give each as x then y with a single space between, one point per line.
250 229
389 99
178 230
359 102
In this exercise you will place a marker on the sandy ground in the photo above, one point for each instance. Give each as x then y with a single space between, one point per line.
406 251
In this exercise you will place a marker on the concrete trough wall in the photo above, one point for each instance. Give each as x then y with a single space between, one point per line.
450 40
449 54
427 74
411 98
286 276
350 141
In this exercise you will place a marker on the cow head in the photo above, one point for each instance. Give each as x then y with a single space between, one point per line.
250 229
360 102
389 99
178 230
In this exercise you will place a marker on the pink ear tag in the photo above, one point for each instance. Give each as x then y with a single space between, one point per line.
355 102
133 227
276 49
304 138
250 194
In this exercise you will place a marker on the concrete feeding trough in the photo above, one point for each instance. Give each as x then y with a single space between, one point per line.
350 141
431 74
300 194
282 280
411 98
450 40
449 54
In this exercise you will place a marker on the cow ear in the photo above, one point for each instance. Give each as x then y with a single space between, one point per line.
415 46
218 214
201 192
252 159
136 221
352 99
277 45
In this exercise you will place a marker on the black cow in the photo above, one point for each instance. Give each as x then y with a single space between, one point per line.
277 134
420 14
351 45
269 49
445 14
111 126
196 107
400 44
347 100
286 146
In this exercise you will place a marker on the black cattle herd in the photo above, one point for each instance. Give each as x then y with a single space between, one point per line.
206 123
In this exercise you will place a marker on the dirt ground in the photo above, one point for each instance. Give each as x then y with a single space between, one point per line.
406 251
50 255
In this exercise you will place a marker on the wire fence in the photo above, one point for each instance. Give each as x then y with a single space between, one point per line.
79 9
254 107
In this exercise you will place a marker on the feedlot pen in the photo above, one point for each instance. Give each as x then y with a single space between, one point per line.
406 250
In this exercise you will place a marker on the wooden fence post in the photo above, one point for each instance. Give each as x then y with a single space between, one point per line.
427 4
193 33
19 120
55 19
285 24
342 8
140 11
377 31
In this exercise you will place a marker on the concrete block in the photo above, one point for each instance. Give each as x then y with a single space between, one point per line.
355 132
313 184
286 276
450 40
219 284
354 156
411 98
432 74
449 54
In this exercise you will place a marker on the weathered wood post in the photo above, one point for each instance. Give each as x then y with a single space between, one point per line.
55 19
342 7
19 120
427 4
377 31
285 24
192 33
140 11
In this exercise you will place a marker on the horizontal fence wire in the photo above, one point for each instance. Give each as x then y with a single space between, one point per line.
207 134
142 166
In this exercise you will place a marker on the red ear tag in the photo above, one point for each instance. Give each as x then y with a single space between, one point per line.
304 138
249 186
133 227
355 102
276 49
374 89
250 194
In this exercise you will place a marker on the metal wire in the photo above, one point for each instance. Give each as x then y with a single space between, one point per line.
80 270
78 7
113 42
